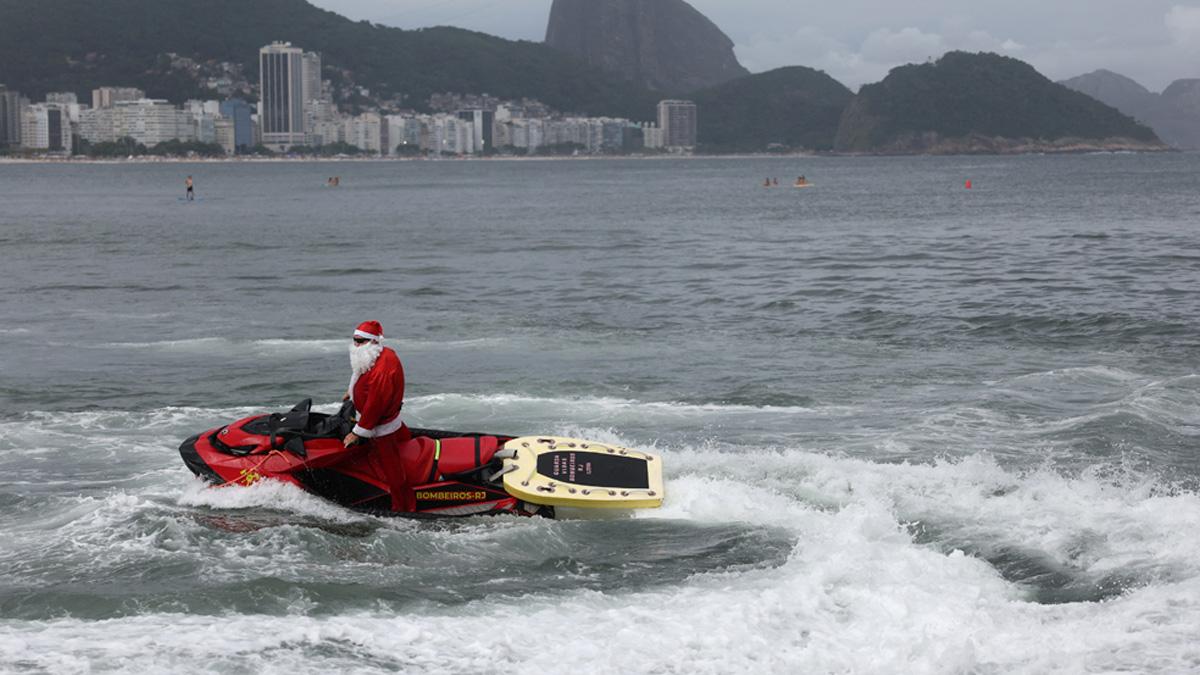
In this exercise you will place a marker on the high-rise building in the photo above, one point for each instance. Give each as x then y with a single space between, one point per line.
281 89
203 116
482 123
652 136
105 97
45 126
310 80
96 125
367 132
10 118
677 119
240 113
224 130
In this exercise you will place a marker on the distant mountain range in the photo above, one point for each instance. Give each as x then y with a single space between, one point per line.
1174 114
965 103
961 103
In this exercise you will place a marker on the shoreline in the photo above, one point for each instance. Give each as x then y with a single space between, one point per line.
583 158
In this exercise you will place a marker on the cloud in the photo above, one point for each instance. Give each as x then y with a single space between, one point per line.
1183 23
859 41
907 45
872 58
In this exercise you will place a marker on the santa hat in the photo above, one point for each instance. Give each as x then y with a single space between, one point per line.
370 330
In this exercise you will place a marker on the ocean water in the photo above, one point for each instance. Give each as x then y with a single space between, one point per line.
907 427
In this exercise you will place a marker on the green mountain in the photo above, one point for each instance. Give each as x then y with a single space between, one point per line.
793 108
981 103
77 45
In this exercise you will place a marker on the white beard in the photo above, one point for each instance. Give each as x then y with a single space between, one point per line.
362 357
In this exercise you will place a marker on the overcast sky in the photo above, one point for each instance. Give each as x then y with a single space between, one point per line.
858 41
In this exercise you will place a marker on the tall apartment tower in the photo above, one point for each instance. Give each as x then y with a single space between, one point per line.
281 85
482 123
239 112
10 117
310 65
45 126
677 119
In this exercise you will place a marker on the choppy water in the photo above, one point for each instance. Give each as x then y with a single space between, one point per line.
907 427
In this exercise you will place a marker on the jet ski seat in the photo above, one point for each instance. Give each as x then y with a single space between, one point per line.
449 456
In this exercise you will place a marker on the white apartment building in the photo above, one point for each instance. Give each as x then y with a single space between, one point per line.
147 121
652 137
403 130
151 121
223 130
96 125
367 131
203 116
322 123
46 127
310 77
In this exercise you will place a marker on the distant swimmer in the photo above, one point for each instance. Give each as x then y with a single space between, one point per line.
766 182
801 181
775 182
191 189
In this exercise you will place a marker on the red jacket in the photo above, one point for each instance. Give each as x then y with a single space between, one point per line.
378 395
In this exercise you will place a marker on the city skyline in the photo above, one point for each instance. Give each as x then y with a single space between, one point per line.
1152 41
296 110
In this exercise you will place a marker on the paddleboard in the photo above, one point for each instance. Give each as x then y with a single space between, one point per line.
560 471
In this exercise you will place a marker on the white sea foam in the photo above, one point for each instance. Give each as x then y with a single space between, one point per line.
294 347
608 405
859 592
855 596
269 494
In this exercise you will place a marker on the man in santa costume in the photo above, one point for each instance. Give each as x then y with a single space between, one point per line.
377 390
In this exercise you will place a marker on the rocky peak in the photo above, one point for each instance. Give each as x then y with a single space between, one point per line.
1116 90
1174 115
665 45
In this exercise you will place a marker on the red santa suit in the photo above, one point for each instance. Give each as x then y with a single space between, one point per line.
378 395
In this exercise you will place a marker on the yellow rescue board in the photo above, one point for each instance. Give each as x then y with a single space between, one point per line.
572 472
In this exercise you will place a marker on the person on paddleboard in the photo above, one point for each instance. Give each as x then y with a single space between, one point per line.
191 191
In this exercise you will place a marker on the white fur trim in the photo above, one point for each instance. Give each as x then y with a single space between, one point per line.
365 334
384 429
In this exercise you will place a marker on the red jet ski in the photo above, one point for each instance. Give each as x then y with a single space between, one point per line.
442 473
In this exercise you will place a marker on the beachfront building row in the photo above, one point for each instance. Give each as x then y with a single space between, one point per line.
472 132
296 108
56 125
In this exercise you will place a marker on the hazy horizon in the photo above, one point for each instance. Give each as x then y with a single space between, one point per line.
1155 42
